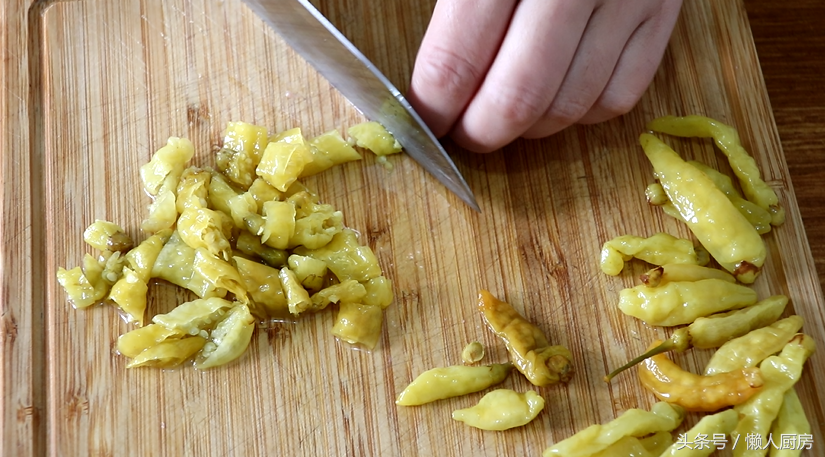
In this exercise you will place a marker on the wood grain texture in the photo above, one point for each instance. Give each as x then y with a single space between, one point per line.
93 87
23 378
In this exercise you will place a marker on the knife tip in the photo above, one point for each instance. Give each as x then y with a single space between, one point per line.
470 200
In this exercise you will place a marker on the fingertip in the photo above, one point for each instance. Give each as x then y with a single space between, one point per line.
499 115
474 144
636 68
603 113
437 120
461 41
538 131
616 100
524 79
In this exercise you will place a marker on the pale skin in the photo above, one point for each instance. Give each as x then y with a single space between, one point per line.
491 71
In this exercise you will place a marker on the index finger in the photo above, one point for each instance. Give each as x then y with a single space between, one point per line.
526 74
458 48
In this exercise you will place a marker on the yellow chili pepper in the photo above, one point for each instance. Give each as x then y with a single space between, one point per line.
502 409
780 373
448 382
677 303
219 275
193 189
750 349
708 426
727 139
251 245
107 236
659 249
630 446
693 392
715 330
529 349
718 225
175 263
662 417
78 287
168 353
676 272
203 228
138 340
129 294
228 340
656 195
790 421
192 317
358 324
141 258
755 214
758 217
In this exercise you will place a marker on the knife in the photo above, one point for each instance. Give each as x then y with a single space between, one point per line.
307 31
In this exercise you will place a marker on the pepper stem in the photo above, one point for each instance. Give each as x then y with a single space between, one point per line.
676 341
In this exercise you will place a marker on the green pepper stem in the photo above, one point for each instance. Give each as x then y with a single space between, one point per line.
676 341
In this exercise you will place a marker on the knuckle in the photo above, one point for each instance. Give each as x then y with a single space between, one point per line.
445 70
569 110
518 104
616 102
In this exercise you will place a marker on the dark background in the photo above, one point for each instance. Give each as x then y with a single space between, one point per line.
790 41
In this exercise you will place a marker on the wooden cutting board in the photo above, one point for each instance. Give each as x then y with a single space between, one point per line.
93 88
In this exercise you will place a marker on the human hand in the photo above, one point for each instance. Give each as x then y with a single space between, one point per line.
490 71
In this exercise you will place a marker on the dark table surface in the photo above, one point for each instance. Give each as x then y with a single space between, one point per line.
790 41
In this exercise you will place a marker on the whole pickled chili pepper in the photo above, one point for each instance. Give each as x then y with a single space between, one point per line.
704 208
694 392
679 272
448 382
750 349
502 409
780 373
713 425
759 217
532 355
659 249
789 421
715 330
598 438
727 139
682 302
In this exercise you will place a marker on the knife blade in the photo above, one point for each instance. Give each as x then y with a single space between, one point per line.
312 36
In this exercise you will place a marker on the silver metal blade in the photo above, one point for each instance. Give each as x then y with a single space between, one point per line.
308 32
